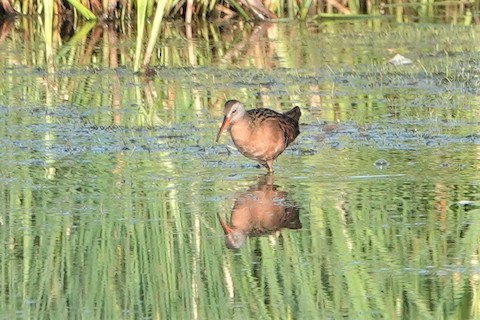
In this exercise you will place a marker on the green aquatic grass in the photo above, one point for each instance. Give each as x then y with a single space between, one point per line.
154 34
82 10
192 10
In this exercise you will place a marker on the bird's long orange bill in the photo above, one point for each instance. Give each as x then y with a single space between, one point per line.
226 228
225 124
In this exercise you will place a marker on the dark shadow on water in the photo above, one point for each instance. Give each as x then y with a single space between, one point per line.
261 210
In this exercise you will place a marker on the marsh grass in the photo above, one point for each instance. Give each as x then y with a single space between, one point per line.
247 10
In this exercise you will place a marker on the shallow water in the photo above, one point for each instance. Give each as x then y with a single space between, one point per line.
113 184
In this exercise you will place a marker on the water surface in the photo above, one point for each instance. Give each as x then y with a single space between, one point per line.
113 184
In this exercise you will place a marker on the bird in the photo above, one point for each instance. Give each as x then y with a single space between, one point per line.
260 210
260 134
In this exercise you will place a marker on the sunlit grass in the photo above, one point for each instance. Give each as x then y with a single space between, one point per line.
192 10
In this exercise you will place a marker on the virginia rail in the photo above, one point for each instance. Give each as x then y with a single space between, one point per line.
260 134
260 210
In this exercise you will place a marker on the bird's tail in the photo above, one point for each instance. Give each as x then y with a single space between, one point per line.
295 113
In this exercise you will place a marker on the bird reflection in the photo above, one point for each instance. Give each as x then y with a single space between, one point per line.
261 210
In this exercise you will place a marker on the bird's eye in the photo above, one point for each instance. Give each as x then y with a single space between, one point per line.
234 111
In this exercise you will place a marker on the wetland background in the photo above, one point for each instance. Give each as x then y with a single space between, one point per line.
112 183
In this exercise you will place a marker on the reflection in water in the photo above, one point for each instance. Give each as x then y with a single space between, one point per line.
260 210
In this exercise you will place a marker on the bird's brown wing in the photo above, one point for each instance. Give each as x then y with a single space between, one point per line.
288 121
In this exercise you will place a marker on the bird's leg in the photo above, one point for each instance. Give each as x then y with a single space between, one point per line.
269 166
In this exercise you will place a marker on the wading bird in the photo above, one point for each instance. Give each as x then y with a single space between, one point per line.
260 134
